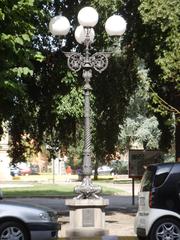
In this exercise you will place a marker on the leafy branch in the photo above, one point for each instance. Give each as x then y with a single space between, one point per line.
165 105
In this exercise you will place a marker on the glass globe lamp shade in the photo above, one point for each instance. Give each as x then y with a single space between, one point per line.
88 17
81 33
115 25
59 25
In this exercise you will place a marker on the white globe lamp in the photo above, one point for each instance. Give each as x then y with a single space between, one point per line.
59 25
88 17
115 25
81 33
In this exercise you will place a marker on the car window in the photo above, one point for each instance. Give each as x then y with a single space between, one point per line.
161 175
160 179
146 182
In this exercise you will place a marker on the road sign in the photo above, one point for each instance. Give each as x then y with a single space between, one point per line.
139 159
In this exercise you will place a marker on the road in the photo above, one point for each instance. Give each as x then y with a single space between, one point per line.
116 203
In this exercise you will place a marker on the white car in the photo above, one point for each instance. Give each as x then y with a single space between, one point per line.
27 222
104 170
158 216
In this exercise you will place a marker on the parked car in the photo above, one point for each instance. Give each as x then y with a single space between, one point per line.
14 171
104 170
158 216
24 168
20 221
25 171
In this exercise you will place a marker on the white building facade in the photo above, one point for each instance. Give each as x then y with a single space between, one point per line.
4 157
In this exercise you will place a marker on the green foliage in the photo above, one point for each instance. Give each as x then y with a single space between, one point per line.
143 131
112 92
35 87
139 100
39 95
140 127
120 167
162 51
17 28
70 104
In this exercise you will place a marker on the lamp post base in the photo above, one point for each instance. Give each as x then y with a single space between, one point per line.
87 217
87 190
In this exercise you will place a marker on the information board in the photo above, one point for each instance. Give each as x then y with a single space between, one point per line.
139 159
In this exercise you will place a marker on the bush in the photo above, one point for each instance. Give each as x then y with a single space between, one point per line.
119 167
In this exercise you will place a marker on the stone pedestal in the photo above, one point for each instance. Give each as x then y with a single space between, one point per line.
87 217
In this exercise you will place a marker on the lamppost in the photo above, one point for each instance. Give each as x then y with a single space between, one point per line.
84 34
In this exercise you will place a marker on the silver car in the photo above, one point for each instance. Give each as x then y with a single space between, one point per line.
27 222
104 170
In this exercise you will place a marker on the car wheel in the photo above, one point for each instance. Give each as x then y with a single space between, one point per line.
13 231
165 229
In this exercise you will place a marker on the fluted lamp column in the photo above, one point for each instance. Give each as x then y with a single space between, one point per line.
85 34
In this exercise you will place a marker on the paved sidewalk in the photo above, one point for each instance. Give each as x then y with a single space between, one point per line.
117 224
119 217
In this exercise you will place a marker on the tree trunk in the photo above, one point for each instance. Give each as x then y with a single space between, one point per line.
95 170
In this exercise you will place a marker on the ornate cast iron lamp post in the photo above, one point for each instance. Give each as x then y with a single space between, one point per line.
84 34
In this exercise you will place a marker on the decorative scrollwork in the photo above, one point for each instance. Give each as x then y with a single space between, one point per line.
100 61
74 61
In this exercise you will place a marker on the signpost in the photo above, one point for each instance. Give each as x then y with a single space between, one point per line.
138 161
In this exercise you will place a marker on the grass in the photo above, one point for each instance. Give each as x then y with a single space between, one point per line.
50 190
42 186
39 190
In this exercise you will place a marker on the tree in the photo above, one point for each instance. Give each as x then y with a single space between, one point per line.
112 88
36 89
42 97
140 126
17 27
161 50
142 130
110 95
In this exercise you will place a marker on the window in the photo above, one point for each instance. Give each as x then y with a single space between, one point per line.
146 183
160 179
161 174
